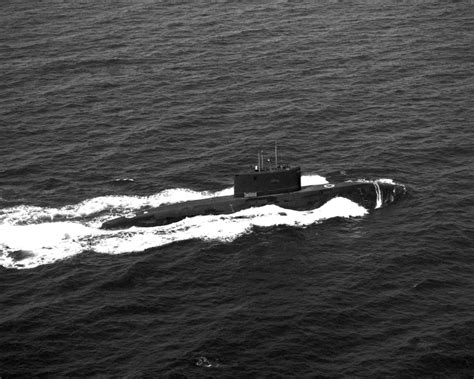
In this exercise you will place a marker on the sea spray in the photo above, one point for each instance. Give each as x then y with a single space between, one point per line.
49 242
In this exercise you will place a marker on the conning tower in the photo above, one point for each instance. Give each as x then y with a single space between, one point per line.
267 181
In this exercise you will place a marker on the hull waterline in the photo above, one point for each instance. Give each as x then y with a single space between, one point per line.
370 195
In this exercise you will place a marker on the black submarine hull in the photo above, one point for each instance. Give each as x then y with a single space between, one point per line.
370 195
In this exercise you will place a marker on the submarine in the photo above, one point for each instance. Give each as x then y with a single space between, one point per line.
266 184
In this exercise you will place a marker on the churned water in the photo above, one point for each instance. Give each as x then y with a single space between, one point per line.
107 107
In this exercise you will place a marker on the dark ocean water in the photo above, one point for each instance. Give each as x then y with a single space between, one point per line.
110 106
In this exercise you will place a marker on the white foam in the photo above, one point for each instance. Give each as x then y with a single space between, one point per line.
43 243
378 202
117 205
30 236
312 180
49 242
390 181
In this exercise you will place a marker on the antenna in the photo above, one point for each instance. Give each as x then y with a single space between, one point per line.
276 155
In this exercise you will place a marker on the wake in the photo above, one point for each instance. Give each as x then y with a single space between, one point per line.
32 236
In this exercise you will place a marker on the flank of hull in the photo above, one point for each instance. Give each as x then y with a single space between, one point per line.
370 195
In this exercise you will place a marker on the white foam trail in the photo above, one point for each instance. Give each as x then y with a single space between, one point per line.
41 243
312 180
28 238
50 242
378 202
224 227
117 205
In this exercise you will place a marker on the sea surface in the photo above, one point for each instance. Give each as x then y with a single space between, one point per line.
108 107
